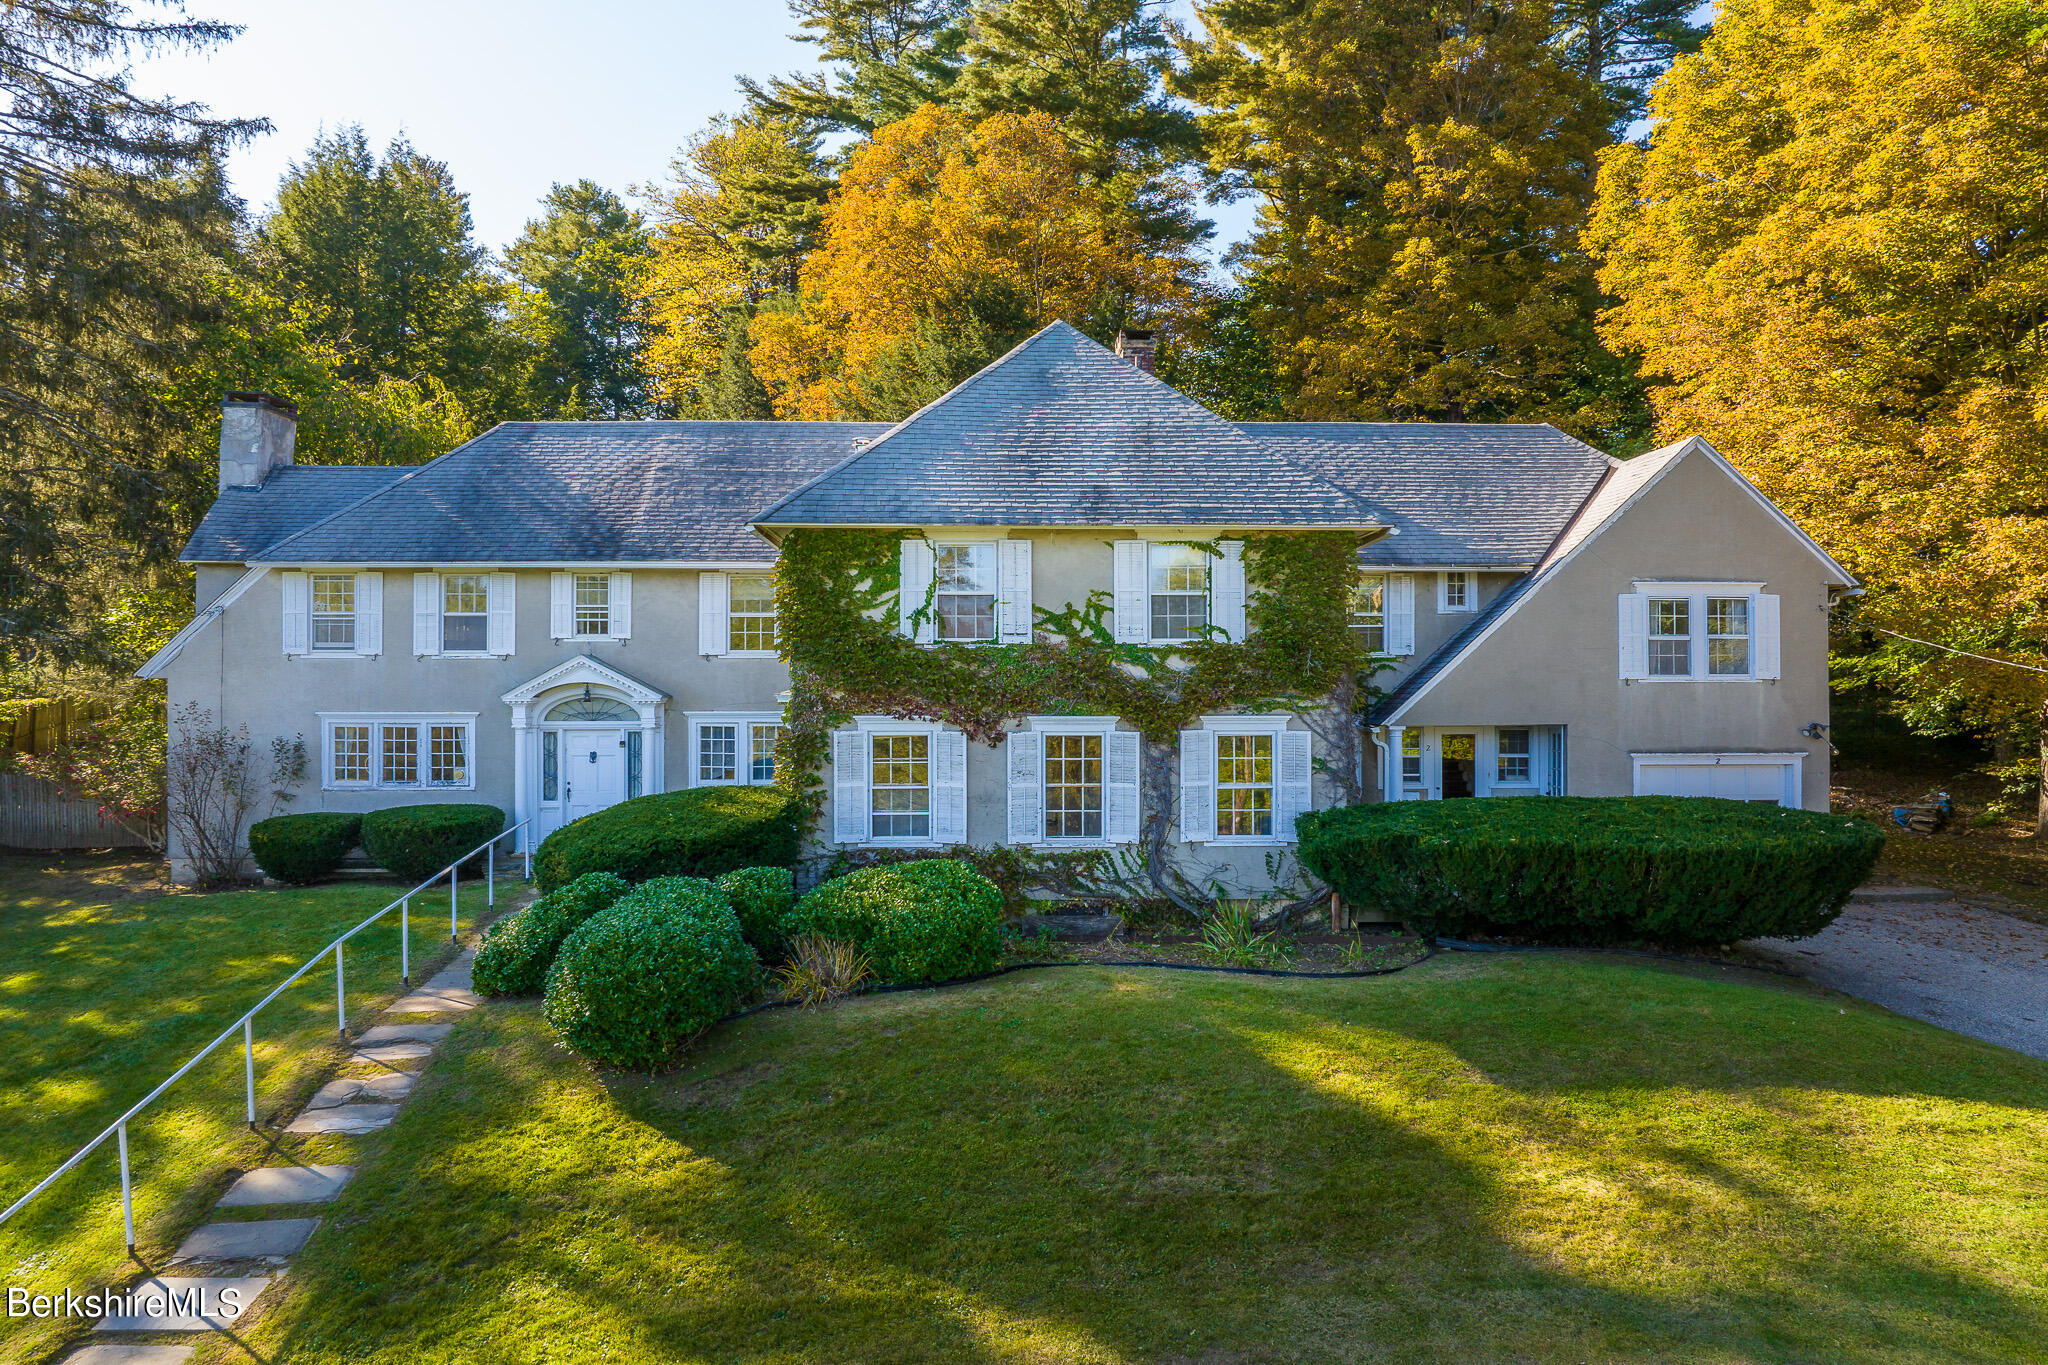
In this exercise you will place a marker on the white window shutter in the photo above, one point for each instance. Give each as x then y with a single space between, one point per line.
1296 787
296 590
426 613
1120 787
1133 607
504 604
369 614
1400 608
1025 761
849 787
713 599
1014 616
1197 786
1767 665
949 787
1634 627
561 605
622 606
1226 589
914 588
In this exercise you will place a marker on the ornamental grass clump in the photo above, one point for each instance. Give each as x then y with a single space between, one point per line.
1666 869
931 920
516 955
762 897
636 982
699 832
821 969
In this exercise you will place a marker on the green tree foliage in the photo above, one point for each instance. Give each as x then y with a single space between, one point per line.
883 59
1833 256
380 252
111 209
575 270
1425 167
1623 46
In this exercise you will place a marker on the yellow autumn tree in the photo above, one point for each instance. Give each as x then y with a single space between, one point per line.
1832 258
945 238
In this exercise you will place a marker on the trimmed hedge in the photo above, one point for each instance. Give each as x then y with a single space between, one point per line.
418 841
515 957
701 832
762 897
931 920
1683 870
637 981
301 849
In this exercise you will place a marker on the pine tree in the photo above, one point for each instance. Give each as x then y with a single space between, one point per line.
575 269
884 58
1623 46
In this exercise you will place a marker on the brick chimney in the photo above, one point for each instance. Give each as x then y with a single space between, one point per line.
257 433
1135 345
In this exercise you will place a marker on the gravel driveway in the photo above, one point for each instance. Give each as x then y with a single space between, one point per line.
1960 966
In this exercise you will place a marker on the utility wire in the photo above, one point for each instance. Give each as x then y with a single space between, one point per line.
1946 649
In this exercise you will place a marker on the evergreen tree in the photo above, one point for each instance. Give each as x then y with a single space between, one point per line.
381 251
1425 167
1623 46
575 269
884 58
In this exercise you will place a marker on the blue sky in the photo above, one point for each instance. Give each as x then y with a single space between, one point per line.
514 94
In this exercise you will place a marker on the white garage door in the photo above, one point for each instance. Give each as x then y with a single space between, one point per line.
1731 778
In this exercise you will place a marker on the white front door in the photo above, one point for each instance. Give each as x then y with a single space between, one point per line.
593 771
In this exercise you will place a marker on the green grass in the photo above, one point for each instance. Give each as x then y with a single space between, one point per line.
1520 1158
106 987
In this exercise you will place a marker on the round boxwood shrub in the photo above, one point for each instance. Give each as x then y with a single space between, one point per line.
701 832
635 982
418 841
762 897
301 849
1669 869
931 920
515 957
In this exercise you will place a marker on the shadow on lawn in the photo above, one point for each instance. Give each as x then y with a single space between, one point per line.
1100 1166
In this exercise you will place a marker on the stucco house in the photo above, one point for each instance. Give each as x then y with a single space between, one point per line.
557 616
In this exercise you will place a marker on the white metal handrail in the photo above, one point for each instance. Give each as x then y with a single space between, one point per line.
118 1129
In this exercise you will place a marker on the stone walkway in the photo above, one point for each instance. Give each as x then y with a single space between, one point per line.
1922 953
245 1256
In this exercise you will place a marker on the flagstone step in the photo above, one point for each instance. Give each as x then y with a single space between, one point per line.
286 1185
153 1353
171 1303
245 1241
439 997
403 1033
389 1087
344 1118
391 1054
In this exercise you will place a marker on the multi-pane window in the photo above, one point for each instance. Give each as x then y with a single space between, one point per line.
1073 786
1244 786
1179 576
761 755
1411 758
465 613
400 758
350 755
750 618
718 753
334 611
1511 756
447 755
593 604
1728 636
964 591
1670 637
899 787
1457 591
1369 610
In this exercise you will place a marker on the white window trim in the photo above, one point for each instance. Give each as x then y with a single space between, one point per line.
1443 592
1696 594
872 727
1208 593
562 606
1258 724
1101 727
729 652
939 543
1485 761
745 720
376 719
296 591
1793 793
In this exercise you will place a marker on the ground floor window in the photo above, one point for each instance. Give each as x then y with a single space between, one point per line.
899 786
1073 786
1244 786
398 752
732 749
1451 761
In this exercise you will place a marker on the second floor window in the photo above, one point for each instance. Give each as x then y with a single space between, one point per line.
750 624
1728 636
1369 610
465 613
964 597
1670 637
593 604
334 611
1179 582
1457 591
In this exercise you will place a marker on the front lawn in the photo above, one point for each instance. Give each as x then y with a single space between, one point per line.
107 985
1514 1158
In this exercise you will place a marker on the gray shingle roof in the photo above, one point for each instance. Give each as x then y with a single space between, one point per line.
1061 432
1455 493
244 521
546 492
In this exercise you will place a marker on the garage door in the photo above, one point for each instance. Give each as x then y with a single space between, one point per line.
1731 779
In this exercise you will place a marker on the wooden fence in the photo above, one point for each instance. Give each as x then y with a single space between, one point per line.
35 814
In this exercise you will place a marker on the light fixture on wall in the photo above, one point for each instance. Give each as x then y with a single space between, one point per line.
1813 729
